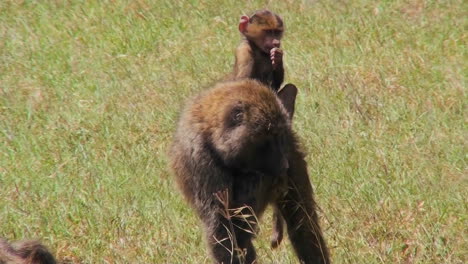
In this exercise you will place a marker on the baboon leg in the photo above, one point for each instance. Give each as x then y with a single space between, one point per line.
287 96
244 242
230 241
278 224
299 211
221 241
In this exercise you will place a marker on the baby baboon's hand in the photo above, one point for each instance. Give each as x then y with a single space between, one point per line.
276 56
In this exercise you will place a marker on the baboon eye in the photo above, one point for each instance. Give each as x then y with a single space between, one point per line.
273 32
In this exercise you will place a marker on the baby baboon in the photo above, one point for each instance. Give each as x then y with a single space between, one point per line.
25 252
233 154
259 55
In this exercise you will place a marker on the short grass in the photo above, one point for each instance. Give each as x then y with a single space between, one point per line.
90 92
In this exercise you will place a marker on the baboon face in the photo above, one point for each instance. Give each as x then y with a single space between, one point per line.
263 28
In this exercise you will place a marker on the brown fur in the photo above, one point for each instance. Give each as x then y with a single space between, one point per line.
259 56
25 252
234 152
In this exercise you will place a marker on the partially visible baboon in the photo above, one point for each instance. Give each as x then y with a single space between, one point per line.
233 154
259 55
25 252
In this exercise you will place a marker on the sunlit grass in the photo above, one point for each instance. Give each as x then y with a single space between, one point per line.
90 92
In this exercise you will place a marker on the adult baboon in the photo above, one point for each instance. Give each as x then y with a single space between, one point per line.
233 154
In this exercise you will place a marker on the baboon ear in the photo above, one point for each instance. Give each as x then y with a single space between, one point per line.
287 95
244 21
235 116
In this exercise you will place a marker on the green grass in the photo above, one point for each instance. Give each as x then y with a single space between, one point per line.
90 92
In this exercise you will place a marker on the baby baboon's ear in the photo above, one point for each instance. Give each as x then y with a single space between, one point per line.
287 95
243 23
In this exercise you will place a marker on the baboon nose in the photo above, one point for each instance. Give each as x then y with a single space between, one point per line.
276 43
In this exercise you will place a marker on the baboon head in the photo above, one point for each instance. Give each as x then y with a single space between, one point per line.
249 129
264 29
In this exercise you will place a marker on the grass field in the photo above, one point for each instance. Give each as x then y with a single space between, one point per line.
90 92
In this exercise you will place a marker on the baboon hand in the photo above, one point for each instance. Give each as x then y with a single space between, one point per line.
276 56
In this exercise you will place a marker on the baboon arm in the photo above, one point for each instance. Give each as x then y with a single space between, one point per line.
278 77
244 61
299 211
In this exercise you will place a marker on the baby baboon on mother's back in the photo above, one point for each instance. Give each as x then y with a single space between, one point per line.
233 154
259 55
